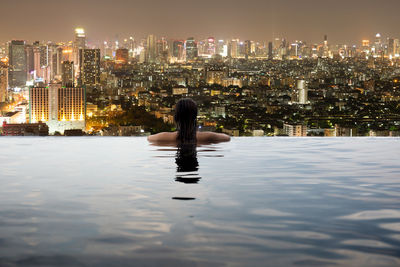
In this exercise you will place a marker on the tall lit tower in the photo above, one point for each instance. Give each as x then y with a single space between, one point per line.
79 39
211 46
270 51
151 49
247 48
391 47
3 81
234 48
378 44
17 64
326 48
177 49
89 67
191 49
302 91
78 43
67 73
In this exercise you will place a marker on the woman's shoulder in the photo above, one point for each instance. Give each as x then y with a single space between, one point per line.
163 137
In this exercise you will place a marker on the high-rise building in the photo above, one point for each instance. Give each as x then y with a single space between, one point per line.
247 48
234 48
79 39
17 64
151 49
57 61
78 43
61 108
391 47
122 56
3 82
302 91
270 51
89 65
67 73
177 49
221 48
30 63
191 49
132 46
210 46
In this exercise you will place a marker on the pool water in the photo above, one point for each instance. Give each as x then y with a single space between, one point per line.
93 201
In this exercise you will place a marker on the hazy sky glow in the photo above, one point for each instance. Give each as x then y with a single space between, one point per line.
344 21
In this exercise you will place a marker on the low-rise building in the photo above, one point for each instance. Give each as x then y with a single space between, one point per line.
295 130
25 129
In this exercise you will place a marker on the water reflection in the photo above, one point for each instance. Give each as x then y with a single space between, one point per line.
187 164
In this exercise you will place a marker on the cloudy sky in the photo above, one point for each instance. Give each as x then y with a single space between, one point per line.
343 21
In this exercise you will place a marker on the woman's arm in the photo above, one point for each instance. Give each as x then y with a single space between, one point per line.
162 137
212 137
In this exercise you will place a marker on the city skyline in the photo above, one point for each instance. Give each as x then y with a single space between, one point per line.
346 22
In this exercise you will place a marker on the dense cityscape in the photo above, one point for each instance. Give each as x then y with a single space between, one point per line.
129 86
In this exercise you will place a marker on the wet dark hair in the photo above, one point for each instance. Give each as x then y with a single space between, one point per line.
186 121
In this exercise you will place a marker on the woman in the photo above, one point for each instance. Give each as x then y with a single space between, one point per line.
186 122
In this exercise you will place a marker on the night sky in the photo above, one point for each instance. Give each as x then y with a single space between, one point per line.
343 21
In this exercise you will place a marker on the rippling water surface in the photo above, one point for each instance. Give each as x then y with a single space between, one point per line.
251 202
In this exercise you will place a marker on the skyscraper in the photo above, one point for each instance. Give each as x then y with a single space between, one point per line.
177 49
191 49
17 64
89 65
247 48
151 49
391 47
3 82
302 92
211 46
67 73
79 43
234 49
61 108
270 51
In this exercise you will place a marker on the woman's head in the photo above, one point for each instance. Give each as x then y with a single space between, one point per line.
186 120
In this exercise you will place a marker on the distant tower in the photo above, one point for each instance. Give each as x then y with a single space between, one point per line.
3 82
17 64
378 44
391 47
67 73
211 46
79 39
247 48
89 64
177 49
234 49
326 48
151 49
78 43
270 51
302 91
191 49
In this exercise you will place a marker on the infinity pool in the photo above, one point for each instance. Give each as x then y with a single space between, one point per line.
92 201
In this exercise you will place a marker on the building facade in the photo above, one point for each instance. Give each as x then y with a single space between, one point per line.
3 82
295 130
17 73
89 67
61 108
